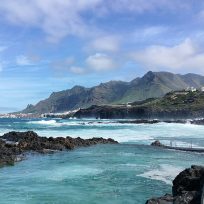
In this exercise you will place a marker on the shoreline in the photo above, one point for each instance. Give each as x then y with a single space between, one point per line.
15 145
193 121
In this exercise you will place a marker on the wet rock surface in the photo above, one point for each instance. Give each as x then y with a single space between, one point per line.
187 188
157 143
166 199
155 121
14 145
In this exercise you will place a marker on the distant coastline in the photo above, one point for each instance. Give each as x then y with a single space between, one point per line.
179 106
183 106
120 94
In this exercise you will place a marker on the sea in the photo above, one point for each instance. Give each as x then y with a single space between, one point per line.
126 173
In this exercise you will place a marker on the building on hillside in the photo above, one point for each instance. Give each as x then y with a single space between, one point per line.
192 89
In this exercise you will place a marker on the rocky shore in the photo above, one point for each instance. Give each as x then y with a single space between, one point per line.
154 121
146 112
15 145
177 105
186 149
187 188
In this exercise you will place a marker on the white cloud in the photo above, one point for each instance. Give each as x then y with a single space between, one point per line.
77 70
60 18
57 18
67 65
186 56
23 60
141 6
100 62
93 63
149 32
105 43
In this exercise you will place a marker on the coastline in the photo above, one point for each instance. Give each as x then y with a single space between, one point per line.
15 145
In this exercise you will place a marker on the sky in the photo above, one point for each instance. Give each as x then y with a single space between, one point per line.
52 45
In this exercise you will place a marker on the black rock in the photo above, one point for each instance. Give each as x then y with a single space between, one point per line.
14 145
157 143
167 199
189 184
187 188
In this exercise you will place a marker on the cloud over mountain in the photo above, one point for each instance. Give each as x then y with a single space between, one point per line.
100 62
184 56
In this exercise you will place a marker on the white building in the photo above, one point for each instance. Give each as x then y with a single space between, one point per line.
192 89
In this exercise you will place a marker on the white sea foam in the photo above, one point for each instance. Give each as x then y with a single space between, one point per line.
134 165
165 173
182 134
54 123
44 122
126 154
70 172
3 131
101 123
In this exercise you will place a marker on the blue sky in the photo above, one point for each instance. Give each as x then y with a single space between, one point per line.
52 45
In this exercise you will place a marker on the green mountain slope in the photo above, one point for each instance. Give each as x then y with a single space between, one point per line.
156 84
151 85
174 105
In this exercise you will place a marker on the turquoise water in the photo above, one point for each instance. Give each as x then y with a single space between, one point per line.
114 174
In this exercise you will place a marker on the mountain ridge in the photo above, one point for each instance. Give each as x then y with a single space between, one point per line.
174 106
151 85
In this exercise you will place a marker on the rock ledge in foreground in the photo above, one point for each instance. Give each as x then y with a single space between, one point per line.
187 188
14 145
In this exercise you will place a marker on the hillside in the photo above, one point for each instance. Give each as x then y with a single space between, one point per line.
151 85
174 105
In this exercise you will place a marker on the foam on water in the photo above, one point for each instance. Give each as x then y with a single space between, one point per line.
98 174
68 172
181 134
164 172
44 122
3 131
91 123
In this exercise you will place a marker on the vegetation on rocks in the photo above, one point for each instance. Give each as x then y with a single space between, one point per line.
174 105
151 85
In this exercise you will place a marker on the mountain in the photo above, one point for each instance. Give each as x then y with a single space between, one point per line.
151 85
175 105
